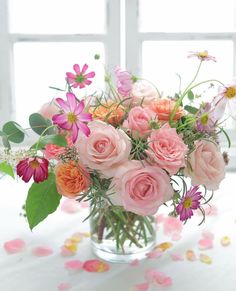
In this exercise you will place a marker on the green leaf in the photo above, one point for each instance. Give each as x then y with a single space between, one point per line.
56 139
5 140
38 124
190 95
191 109
42 200
7 169
14 132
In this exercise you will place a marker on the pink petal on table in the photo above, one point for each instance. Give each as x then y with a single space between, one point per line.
42 251
63 286
207 234
70 206
134 263
176 257
14 246
172 226
153 276
154 254
205 244
65 252
191 256
74 265
96 266
140 287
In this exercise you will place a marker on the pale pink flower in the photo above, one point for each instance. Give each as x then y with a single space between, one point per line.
207 165
138 121
167 149
140 188
105 149
49 109
124 81
226 100
72 118
80 78
203 56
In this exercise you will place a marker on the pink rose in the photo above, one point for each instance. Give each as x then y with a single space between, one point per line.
52 151
143 93
105 149
49 109
167 149
207 165
124 81
140 188
138 120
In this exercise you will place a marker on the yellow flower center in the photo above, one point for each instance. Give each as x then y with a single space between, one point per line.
203 54
34 164
72 118
188 202
204 119
230 92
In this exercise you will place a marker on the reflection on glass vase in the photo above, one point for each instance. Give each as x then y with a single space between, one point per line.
121 236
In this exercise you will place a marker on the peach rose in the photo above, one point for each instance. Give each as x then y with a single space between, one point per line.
49 109
163 109
105 149
167 149
140 188
207 165
52 151
110 112
71 179
138 121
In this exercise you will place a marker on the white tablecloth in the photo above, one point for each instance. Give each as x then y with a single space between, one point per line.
25 272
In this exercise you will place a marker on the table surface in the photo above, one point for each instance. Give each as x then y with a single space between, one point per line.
26 272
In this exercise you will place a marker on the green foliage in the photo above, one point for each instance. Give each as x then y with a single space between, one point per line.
39 124
6 169
56 139
190 95
191 109
13 132
42 200
5 140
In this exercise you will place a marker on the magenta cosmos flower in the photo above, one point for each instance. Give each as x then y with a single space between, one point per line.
203 56
72 117
190 201
36 167
80 78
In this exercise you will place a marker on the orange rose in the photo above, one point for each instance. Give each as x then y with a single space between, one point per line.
110 112
71 179
164 107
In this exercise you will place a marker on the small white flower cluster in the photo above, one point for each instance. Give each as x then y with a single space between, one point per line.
13 156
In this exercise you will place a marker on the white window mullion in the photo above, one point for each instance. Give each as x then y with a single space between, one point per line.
5 66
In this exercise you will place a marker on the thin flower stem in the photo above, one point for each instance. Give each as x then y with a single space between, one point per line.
40 138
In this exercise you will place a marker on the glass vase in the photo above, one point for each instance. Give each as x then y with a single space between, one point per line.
121 236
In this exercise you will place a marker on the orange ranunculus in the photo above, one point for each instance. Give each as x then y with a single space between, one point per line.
164 107
110 112
71 179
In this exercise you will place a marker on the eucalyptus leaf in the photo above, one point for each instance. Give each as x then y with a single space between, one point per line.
39 124
13 131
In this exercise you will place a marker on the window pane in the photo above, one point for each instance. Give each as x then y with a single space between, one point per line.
54 16
162 60
187 15
40 65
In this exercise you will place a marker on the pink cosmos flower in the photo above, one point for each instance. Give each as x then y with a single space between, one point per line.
206 119
79 79
190 201
124 81
72 118
203 56
226 99
36 167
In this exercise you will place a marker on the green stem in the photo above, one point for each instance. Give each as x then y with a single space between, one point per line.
45 130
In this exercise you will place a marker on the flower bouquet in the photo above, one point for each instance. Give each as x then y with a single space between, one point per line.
127 151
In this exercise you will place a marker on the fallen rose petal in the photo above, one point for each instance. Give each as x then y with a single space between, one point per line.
70 206
71 245
95 266
154 254
207 234
14 246
140 287
190 256
63 286
163 246
205 244
42 251
76 237
205 259
176 257
225 241
153 276
74 265
65 252
134 263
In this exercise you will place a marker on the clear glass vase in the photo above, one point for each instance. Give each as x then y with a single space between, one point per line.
121 236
